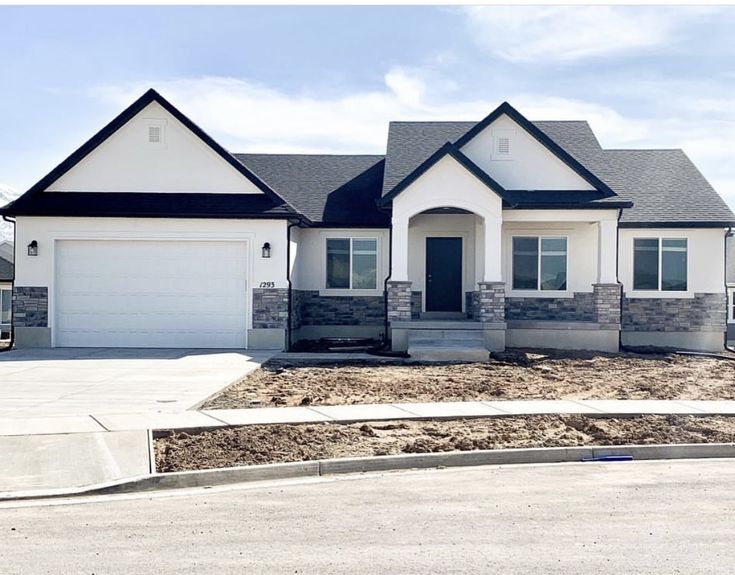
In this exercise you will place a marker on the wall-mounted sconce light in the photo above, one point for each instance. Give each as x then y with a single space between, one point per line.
33 248
266 250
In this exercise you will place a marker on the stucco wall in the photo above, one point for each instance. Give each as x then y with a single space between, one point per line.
38 271
445 225
582 245
448 184
531 165
127 162
309 271
706 260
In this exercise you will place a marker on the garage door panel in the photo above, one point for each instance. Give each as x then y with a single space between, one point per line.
151 294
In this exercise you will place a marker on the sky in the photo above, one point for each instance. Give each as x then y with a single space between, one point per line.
330 78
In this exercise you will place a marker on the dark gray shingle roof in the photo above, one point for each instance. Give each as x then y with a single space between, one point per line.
327 189
7 270
664 185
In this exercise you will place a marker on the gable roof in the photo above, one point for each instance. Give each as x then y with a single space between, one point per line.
410 142
126 115
339 190
660 187
448 149
506 109
657 186
7 270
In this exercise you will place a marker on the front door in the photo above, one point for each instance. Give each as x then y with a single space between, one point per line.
444 274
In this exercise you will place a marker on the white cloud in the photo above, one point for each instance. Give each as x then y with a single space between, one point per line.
7 194
246 116
568 33
249 117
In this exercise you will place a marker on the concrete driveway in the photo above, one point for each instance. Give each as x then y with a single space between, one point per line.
54 382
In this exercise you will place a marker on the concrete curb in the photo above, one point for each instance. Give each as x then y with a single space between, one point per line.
324 467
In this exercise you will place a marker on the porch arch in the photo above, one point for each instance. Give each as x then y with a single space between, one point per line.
489 243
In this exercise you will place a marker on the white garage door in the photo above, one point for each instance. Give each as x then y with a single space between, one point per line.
151 294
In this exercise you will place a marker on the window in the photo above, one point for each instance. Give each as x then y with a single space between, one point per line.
731 305
660 264
6 297
352 263
540 263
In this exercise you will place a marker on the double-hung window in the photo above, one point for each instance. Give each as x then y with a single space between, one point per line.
352 263
660 264
539 263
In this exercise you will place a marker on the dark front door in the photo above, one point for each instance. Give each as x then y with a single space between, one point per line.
444 274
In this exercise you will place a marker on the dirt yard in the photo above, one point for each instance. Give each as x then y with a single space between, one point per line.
258 444
512 375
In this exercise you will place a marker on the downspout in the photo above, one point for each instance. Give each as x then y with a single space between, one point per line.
728 303
617 277
385 284
289 325
12 286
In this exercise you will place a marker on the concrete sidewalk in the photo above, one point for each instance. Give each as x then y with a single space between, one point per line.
158 420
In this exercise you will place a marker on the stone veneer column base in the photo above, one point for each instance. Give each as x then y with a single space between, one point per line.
399 301
489 308
491 302
270 319
30 317
607 304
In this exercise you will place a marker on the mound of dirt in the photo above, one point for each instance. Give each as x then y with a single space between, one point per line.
512 375
258 444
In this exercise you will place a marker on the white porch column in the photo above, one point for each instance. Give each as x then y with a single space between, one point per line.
399 247
493 249
607 252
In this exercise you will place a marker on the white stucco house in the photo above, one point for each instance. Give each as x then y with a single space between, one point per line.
502 232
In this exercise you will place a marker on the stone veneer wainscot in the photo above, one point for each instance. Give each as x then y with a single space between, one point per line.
30 306
703 312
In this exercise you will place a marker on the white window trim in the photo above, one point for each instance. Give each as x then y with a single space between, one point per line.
350 291
10 290
687 294
730 303
538 292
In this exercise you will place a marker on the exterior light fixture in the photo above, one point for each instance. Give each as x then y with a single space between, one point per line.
266 250
33 248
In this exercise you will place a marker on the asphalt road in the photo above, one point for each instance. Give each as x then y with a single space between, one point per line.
622 518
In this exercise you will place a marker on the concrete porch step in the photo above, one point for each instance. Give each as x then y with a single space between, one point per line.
454 349
446 334
439 342
448 353
443 315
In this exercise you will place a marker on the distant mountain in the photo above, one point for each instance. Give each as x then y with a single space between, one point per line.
7 194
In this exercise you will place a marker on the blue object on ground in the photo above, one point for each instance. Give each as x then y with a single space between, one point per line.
609 458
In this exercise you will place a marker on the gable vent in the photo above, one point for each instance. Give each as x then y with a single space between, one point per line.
154 134
503 145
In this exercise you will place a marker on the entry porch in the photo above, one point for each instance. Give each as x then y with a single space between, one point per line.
467 280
